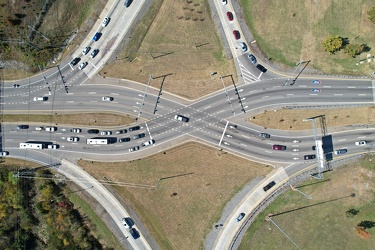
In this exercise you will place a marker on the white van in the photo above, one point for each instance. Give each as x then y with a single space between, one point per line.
51 129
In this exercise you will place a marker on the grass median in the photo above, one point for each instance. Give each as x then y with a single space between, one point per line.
80 119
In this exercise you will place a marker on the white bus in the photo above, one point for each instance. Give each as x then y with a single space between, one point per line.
32 145
97 141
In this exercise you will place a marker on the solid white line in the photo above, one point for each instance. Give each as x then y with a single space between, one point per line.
222 135
362 94
361 137
342 140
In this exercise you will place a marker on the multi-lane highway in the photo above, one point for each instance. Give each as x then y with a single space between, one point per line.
219 119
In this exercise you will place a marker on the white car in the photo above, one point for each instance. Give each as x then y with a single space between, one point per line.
106 132
53 146
107 98
105 21
73 139
243 46
181 118
41 98
127 222
150 142
4 153
76 130
224 2
50 129
86 50
360 143
83 65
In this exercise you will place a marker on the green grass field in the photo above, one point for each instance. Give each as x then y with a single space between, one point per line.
320 223
290 31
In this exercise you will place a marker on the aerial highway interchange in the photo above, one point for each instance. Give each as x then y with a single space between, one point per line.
219 119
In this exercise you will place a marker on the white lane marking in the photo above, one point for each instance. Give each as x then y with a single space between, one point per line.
302 86
114 94
313 94
361 94
337 94
361 137
207 107
342 140
92 93
351 87
265 96
289 94
326 86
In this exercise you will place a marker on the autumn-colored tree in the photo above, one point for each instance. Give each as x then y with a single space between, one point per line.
332 44
361 231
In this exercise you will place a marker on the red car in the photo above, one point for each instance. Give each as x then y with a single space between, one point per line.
279 147
230 16
236 34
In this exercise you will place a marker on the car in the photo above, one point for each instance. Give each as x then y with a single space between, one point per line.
252 58
127 222
39 128
315 82
264 135
83 65
4 153
135 137
127 3
75 61
240 217
233 126
340 151
107 98
134 128
93 131
53 146
136 148
313 148
124 139
16 86
97 36
134 233
94 53
243 46
230 16
236 34
121 131
40 98
72 139
181 118
279 147
360 143
50 129
261 68
76 130
106 21
22 126
224 2
150 142
309 157
269 186
106 132
315 90
86 50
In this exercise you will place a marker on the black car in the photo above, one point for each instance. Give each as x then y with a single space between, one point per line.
124 139
134 128
22 126
269 186
93 131
134 233
127 3
309 157
75 61
240 217
94 53
261 68
139 136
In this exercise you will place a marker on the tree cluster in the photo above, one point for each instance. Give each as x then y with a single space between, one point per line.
333 44
37 215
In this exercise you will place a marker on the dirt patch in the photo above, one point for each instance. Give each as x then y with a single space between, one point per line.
290 119
178 194
182 44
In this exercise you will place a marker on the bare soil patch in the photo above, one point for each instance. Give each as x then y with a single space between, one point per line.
90 119
292 119
181 43
322 221
178 194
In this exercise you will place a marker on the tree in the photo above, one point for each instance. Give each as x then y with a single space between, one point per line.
371 14
354 49
351 212
332 44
